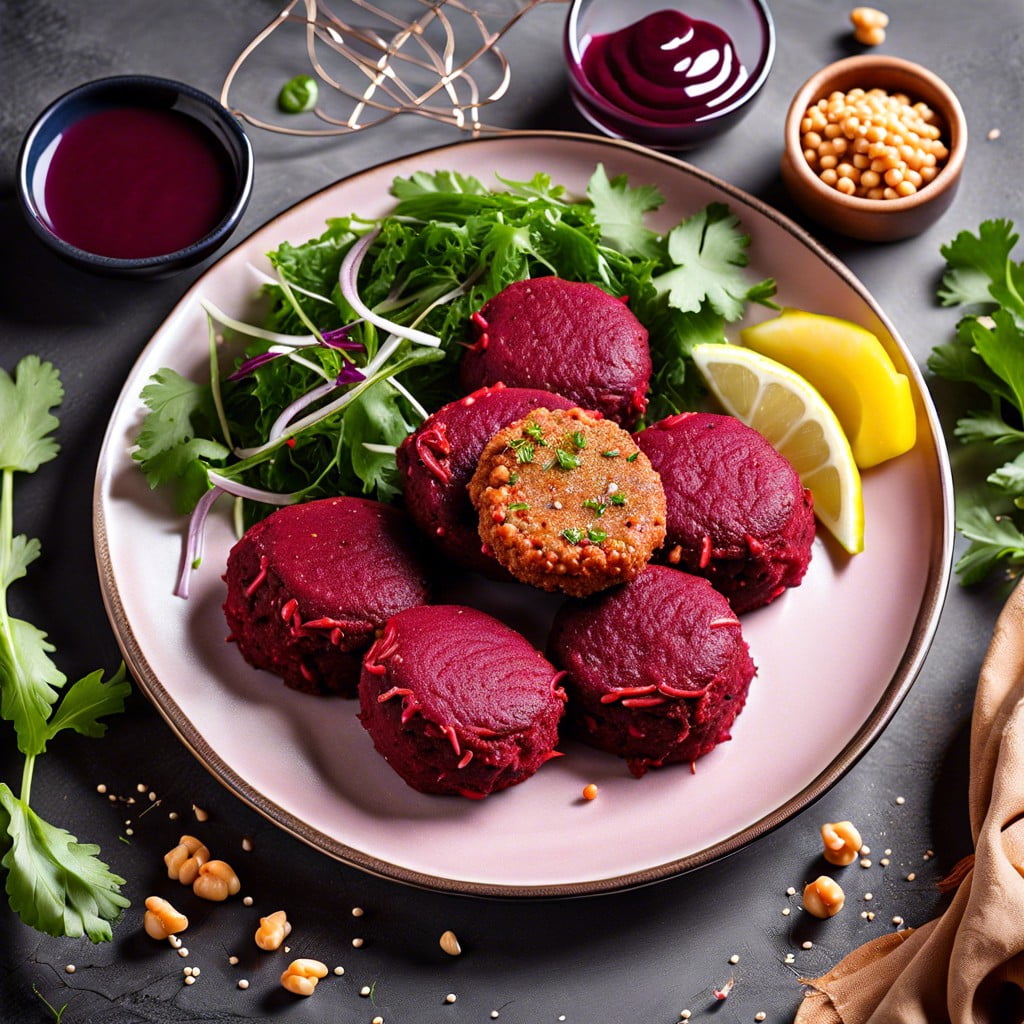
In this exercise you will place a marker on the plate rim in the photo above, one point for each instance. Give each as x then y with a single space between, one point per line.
936 584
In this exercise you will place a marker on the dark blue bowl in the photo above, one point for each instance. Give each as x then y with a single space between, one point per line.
222 132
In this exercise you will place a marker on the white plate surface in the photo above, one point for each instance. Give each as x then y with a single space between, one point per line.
835 656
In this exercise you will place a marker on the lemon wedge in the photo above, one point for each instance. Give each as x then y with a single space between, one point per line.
793 416
853 372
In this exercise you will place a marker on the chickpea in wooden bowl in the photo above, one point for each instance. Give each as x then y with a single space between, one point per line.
874 147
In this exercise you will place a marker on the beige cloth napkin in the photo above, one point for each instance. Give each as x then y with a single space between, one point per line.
965 966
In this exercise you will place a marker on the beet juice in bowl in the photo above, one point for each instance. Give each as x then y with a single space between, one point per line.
664 74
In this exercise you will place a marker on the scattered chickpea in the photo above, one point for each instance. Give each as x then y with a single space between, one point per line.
450 943
161 919
200 814
841 842
185 860
869 25
273 930
881 144
301 976
823 897
216 881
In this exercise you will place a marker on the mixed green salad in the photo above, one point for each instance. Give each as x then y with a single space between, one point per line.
367 322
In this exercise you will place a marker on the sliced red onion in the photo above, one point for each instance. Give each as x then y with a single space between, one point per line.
339 338
349 288
192 549
348 375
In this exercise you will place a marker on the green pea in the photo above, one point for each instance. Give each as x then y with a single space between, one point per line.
298 95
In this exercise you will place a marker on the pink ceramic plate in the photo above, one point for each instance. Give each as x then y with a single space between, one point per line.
835 656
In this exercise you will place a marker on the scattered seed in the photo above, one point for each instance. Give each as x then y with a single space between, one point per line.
358 911
871 915
450 998
684 1014
173 816
190 980
247 901
141 788
151 796
864 914
494 1014
200 814
928 854
377 1020
791 891
911 876
807 944
101 788
195 972
785 911
357 943
589 791
897 920
888 853
869 896
187 971
723 992
901 800
865 849
734 959
70 969
865 862
129 831
365 990
450 944
183 951
247 844
174 941
884 862
993 134
232 960
760 1015
112 798
242 983
339 970
790 959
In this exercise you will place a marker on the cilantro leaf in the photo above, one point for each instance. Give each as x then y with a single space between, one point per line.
24 551
710 255
25 403
54 883
1002 349
619 210
29 683
88 700
975 262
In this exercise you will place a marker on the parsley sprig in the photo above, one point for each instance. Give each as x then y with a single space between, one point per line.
54 883
988 353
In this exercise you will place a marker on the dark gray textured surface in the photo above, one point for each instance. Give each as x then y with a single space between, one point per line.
639 956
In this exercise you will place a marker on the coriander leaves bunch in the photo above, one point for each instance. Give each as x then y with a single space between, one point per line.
54 883
988 352
367 322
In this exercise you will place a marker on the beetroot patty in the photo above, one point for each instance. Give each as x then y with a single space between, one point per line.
567 337
310 586
437 461
456 702
658 668
737 512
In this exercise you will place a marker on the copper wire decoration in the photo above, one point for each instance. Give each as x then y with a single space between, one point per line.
441 62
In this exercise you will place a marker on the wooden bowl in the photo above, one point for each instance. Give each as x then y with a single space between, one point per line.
876 220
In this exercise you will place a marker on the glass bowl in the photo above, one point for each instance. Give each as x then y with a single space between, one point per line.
95 179
627 104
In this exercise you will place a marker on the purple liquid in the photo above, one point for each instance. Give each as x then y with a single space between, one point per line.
665 68
134 182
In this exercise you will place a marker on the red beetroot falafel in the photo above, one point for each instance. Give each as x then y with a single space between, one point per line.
564 336
437 461
309 587
657 669
737 511
458 703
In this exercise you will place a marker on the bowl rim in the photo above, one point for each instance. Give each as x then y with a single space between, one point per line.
819 84
143 86
580 82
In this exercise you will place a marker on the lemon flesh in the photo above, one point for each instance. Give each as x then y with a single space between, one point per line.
788 411
854 374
